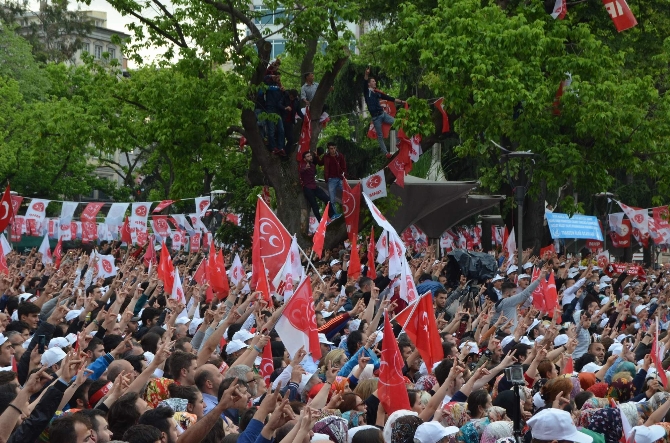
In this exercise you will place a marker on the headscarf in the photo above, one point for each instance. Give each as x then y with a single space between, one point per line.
497 430
472 431
339 384
157 390
334 427
587 379
596 403
456 414
630 411
177 404
353 418
657 400
425 383
621 389
626 366
607 421
388 427
576 387
496 413
584 418
404 428
599 389
185 419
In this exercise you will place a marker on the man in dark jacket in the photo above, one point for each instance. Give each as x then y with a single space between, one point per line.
335 168
309 187
379 117
275 104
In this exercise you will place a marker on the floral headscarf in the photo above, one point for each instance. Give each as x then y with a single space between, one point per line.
497 430
185 419
631 413
496 413
621 389
404 428
595 403
607 421
584 418
157 390
388 427
353 418
456 414
472 431
334 427
599 389
426 383
177 404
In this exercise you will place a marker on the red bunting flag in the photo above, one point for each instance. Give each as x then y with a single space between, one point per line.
391 380
401 165
371 255
320 234
354 270
621 14
421 327
162 205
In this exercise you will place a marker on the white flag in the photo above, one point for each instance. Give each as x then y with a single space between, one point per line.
382 247
116 214
177 290
236 270
37 210
45 250
139 215
67 211
292 272
105 266
374 186
407 286
201 205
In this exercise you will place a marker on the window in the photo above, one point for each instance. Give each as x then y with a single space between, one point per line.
98 51
266 16
278 47
86 47
112 53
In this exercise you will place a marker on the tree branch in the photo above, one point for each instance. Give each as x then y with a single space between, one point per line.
154 26
131 102
236 13
240 130
177 26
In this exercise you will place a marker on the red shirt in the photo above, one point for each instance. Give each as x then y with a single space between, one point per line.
334 166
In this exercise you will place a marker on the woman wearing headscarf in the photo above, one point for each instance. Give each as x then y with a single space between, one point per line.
404 428
479 402
621 388
334 427
497 430
455 414
607 421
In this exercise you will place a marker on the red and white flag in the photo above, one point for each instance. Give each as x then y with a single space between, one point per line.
510 247
216 272
125 233
194 242
621 14
90 212
391 379
320 234
415 150
351 206
267 364
271 241
297 325
439 104
6 209
263 285
305 135
550 295
105 266
560 9
177 290
236 270
374 186
201 205
6 247
395 256
355 268
162 205
538 293
225 287
603 259
400 166
4 269
161 225
292 272
37 210
45 250
382 247
407 286
639 218
58 252
657 354
150 258
165 269
419 323
139 215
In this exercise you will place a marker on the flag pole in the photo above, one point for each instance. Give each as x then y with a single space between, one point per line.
409 317
311 264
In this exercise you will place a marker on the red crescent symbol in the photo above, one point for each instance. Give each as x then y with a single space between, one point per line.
373 181
39 207
141 211
107 266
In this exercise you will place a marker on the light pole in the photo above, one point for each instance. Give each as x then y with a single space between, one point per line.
520 186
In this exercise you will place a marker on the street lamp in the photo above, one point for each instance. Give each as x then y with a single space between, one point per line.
519 187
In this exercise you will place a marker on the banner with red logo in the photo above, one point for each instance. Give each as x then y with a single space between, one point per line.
139 215
620 13
618 268
594 245
90 212
621 236
374 186
201 205
89 231
194 244
37 210
18 228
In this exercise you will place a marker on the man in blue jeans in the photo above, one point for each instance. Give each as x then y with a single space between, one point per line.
379 117
334 170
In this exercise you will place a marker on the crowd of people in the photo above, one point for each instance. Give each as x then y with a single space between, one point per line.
88 359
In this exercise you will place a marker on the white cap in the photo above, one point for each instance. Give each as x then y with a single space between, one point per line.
182 320
512 268
474 349
505 341
496 278
591 367
527 265
648 434
523 276
532 325
526 341
561 340
234 346
354 324
3 339
605 279
149 356
605 300
71 338
58 342
334 262
539 339
621 338
25 297
432 432
243 335
615 348
72 314
640 308
555 424
324 340
194 325
52 356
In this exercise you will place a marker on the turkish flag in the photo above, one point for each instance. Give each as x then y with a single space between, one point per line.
657 353
305 135
351 206
371 255
162 205
548 250
538 293
221 267
421 327
439 104
150 254
620 13
6 209
3 261
58 252
320 233
200 276
236 270
166 269
354 270
391 380
216 272
271 241
267 364
297 325
125 232
550 295
560 9
263 286
400 166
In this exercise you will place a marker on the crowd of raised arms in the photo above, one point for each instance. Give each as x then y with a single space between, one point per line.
87 359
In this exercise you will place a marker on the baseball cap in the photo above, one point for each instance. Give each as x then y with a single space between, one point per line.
243 335
561 340
58 342
182 320
591 367
511 269
496 278
527 265
505 341
605 279
3 339
555 424
324 340
523 276
615 348
234 346
25 297
334 262
648 434
474 349
71 315
640 308
432 432
52 356
532 325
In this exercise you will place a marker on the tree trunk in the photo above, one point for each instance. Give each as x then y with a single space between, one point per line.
533 220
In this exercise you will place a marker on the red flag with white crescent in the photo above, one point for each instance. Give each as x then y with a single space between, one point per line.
271 242
439 104
320 234
391 379
420 326
267 364
6 209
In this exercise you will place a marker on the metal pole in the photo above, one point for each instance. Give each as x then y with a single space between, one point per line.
520 194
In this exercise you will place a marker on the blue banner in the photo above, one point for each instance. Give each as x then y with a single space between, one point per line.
577 226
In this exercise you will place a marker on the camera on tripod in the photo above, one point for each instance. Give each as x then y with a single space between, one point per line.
514 374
